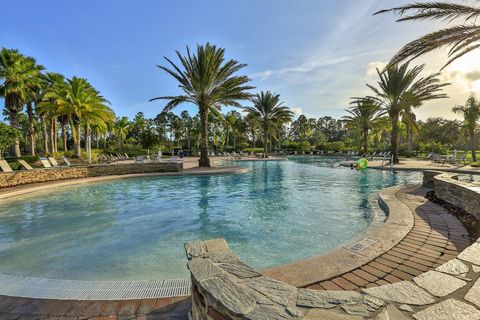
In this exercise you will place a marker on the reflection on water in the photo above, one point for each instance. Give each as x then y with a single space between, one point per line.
278 212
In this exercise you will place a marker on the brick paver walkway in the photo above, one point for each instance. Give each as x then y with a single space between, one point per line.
435 238
38 309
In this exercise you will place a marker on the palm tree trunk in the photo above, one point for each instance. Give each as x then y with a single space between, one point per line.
394 138
473 145
14 124
64 135
44 134
253 139
76 141
265 139
31 129
204 161
409 141
52 134
365 140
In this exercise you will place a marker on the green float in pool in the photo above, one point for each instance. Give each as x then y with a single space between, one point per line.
362 163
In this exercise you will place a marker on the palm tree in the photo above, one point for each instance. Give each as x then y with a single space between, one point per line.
208 82
83 105
18 75
471 114
270 109
400 88
33 85
461 38
53 92
122 126
253 124
363 114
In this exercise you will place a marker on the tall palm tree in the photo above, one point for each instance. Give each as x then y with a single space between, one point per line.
122 126
471 115
208 81
363 114
33 85
399 88
53 91
270 109
253 124
17 77
461 38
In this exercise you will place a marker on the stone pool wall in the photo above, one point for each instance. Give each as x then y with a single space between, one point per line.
16 178
224 287
458 193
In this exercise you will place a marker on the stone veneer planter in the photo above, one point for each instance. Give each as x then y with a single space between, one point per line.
458 193
224 287
16 178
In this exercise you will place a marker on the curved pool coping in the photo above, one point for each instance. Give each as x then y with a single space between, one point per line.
300 273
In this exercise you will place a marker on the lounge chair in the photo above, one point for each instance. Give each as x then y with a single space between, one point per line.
65 160
45 162
25 165
53 161
159 156
5 166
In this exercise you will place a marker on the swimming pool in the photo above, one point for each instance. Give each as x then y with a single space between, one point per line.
134 229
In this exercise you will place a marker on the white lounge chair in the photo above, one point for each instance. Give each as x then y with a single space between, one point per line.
65 160
5 166
45 162
54 162
25 165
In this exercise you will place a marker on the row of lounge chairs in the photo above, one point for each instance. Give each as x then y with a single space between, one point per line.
46 162
225 154
113 157
451 159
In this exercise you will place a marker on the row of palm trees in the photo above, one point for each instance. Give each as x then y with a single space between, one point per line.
402 89
399 90
50 98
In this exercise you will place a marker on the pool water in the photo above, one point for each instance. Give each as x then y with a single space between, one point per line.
134 229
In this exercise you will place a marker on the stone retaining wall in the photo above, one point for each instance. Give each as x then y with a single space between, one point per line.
16 178
459 193
225 288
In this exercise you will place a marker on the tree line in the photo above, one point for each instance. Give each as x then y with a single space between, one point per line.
73 110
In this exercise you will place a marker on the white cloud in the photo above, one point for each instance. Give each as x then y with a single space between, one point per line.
305 67
373 66
297 111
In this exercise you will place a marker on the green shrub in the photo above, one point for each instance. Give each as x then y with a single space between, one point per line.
297 146
254 150
433 147
333 145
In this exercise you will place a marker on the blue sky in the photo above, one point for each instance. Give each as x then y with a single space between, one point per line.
315 54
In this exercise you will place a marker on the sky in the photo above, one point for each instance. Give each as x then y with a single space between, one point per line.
315 53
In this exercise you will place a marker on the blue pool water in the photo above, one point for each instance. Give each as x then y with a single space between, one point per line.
134 229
